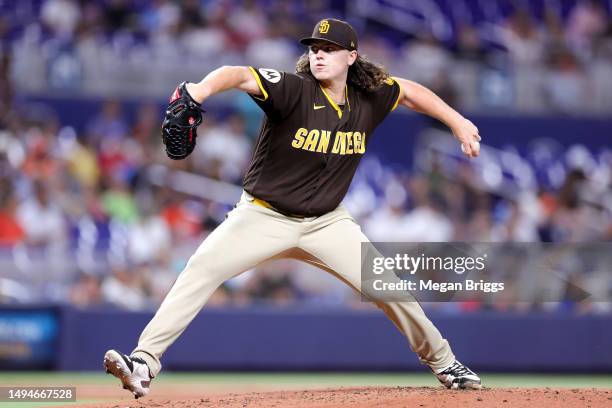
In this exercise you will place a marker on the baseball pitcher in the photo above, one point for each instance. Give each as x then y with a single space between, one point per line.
317 126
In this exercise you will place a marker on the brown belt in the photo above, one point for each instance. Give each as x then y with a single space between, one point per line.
266 204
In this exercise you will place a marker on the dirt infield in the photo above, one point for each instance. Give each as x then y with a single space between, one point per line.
362 397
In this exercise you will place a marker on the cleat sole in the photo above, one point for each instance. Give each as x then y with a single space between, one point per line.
115 369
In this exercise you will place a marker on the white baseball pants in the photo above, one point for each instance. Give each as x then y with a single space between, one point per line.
252 234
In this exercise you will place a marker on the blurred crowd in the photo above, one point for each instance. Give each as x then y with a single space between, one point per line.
500 55
84 218
88 218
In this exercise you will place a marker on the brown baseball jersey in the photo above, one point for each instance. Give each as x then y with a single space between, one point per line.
309 148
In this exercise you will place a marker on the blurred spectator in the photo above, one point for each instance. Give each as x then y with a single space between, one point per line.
274 283
224 150
565 83
249 22
83 163
159 276
148 236
523 39
5 29
469 47
6 87
120 158
387 223
165 37
146 127
12 153
574 220
250 112
192 14
425 59
569 194
41 218
203 37
479 228
273 50
443 87
516 226
118 201
376 48
40 162
119 15
11 231
586 21
555 34
427 222
603 44
109 124
86 291
124 289
61 16
183 218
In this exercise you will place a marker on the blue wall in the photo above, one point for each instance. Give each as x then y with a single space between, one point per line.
395 138
338 339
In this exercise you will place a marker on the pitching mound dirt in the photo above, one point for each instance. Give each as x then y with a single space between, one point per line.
396 397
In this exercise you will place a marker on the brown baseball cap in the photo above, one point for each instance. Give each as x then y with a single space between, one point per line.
334 31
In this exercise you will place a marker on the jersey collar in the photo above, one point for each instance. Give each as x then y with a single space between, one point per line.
333 104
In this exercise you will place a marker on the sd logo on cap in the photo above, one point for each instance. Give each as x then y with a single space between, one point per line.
334 31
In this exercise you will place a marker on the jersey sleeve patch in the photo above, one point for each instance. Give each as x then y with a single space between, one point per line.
281 92
270 75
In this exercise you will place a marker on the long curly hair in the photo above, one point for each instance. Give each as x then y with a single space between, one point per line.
364 74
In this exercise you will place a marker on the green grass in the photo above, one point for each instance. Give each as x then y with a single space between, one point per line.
310 379
295 380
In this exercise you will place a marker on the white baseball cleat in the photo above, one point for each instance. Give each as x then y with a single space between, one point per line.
132 371
458 376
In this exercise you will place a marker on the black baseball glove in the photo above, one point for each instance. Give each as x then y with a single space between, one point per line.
179 129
